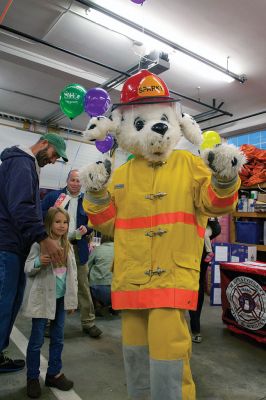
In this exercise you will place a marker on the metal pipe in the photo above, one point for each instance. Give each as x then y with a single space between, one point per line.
237 119
201 103
205 114
29 95
240 78
208 119
25 35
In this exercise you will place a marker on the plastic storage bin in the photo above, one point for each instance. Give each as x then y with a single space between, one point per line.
249 232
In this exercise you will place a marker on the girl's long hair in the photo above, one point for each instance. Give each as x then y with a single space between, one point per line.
49 219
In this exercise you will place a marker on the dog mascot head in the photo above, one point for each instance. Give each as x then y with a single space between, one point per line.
146 122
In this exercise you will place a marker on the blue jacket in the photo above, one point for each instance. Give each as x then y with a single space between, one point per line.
82 219
21 221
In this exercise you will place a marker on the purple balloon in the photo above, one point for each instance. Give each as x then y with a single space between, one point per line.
138 1
96 102
105 145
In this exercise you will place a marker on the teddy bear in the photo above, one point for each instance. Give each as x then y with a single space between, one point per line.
156 205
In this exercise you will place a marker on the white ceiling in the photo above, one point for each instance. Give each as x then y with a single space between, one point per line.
32 75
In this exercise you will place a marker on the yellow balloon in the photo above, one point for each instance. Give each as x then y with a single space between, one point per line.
210 139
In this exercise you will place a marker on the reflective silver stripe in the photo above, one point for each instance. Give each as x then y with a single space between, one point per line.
136 361
159 233
154 196
151 272
97 200
166 379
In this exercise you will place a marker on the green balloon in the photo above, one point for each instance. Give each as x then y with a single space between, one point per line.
72 99
130 157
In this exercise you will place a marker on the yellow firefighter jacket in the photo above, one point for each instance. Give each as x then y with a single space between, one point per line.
158 215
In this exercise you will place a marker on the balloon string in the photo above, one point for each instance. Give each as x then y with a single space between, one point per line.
143 32
69 126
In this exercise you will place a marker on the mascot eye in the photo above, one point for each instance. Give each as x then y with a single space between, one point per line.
164 118
139 123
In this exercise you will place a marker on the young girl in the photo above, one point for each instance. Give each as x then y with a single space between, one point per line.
50 290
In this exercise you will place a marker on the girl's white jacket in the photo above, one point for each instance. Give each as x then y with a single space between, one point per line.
40 294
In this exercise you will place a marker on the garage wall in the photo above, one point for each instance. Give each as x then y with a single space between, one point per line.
52 176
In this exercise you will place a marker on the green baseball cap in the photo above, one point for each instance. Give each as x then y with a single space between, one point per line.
58 143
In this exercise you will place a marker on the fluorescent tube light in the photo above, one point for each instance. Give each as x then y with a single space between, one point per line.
152 40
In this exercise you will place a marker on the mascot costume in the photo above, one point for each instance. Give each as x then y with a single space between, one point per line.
156 206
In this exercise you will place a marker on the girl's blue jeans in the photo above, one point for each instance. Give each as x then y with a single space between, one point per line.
55 347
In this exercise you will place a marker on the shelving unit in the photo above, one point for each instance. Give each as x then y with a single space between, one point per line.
248 215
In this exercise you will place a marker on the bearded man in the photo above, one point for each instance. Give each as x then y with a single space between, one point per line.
21 225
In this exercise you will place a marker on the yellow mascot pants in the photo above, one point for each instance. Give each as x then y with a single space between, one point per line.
156 349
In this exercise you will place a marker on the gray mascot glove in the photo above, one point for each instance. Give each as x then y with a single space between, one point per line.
225 161
95 177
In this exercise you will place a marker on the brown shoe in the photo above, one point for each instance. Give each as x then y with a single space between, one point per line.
61 382
93 331
33 388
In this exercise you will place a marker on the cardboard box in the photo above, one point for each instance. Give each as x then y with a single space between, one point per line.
262 197
232 252
243 252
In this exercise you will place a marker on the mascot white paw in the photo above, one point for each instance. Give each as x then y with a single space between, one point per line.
95 177
98 128
190 129
224 160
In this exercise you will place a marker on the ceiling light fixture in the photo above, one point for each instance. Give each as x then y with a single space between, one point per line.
138 37
139 34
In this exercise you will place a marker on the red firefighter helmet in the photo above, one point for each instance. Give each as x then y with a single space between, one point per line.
144 87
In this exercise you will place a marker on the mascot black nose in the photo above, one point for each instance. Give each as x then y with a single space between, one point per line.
160 128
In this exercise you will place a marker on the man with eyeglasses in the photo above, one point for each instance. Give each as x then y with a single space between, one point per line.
21 225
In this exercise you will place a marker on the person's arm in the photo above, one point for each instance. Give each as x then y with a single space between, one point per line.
25 213
47 202
52 249
31 267
215 227
21 187
210 199
91 259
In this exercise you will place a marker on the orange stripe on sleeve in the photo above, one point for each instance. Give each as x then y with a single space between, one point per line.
104 216
220 202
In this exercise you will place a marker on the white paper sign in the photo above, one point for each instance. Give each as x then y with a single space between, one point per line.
221 253
217 275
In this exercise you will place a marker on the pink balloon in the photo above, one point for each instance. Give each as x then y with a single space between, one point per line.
105 145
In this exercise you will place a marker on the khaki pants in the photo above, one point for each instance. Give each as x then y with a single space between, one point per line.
87 313
156 348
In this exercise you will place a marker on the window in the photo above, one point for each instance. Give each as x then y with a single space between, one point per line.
257 139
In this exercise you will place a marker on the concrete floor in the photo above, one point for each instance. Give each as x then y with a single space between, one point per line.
224 366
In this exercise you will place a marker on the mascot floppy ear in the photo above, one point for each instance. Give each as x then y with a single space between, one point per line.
98 127
190 129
